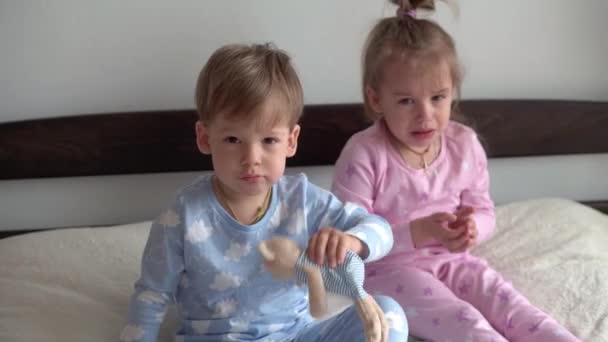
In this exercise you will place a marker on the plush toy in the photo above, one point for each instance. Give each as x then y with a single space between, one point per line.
284 260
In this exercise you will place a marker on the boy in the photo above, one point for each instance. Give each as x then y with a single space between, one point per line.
201 253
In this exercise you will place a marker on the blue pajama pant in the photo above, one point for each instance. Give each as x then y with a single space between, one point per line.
347 326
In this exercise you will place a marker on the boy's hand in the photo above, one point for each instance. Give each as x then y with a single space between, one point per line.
456 232
332 244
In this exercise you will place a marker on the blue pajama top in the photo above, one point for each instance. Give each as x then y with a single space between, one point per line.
207 263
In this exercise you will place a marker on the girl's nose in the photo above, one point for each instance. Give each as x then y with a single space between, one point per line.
425 111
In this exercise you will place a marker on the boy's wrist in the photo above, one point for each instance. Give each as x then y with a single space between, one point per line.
360 247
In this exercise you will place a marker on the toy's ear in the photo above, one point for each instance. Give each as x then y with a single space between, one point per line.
267 254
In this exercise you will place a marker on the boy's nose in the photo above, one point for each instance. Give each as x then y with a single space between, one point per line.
252 155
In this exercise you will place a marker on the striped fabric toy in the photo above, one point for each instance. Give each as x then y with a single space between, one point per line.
345 279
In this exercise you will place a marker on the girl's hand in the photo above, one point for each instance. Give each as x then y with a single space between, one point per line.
332 244
450 230
465 219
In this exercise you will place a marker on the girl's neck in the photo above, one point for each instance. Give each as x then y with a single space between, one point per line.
418 157
245 209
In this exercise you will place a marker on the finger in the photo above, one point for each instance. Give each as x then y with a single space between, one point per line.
465 211
321 247
310 250
332 247
471 224
456 224
460 233
463 214
472 230
453 233
342 248
471 233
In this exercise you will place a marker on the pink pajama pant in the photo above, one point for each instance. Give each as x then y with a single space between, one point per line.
457 297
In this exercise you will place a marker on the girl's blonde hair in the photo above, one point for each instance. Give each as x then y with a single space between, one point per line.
409 37
238 78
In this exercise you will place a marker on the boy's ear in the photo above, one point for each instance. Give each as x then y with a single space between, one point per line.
293 141
373 99
202 137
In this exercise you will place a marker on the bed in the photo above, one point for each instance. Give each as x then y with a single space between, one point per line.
77 194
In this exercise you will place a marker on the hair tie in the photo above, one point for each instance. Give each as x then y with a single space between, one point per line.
401 13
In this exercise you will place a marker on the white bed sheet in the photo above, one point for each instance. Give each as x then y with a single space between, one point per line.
73 284
556 253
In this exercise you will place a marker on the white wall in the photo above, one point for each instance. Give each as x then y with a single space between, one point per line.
66 57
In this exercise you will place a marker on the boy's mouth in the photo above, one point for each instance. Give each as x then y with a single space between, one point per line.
251 178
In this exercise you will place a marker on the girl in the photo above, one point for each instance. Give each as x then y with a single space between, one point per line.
428 177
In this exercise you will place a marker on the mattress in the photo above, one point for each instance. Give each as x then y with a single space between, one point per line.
74 284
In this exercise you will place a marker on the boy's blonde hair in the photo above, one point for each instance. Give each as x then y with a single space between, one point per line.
408 37
238 78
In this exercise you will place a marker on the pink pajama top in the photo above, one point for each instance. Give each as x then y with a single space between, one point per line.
371 172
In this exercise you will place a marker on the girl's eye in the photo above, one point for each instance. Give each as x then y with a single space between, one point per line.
406 101
438 97
270 141
231 140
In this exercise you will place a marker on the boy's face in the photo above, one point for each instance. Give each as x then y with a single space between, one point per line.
248 155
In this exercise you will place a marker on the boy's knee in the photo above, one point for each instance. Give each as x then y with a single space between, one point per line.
393 312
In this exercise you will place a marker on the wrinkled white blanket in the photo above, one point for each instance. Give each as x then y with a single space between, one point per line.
556 253
73 284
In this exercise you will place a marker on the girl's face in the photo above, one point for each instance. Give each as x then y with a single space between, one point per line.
414 100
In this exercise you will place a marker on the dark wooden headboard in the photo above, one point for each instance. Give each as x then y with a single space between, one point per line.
163 141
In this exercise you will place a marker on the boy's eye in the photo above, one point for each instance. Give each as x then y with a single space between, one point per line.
270 140
406 101
231 140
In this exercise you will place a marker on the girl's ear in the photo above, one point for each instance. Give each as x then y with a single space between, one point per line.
292 142
267 254
373 98
202 137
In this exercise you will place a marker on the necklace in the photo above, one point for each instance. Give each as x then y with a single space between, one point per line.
260 211
423 163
